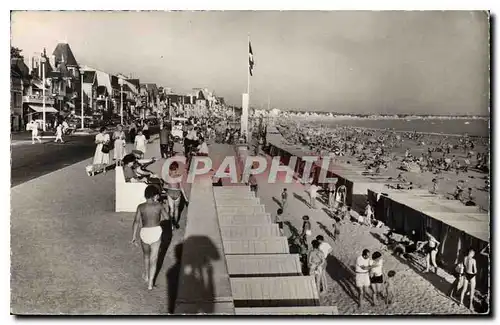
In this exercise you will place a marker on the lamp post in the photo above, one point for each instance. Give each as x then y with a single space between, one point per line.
120 81
81 103
43 92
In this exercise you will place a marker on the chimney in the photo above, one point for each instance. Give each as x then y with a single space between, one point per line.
39 65
30 64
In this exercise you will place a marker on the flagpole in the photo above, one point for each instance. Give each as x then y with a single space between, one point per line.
248 73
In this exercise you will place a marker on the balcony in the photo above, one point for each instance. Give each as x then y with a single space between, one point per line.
38 99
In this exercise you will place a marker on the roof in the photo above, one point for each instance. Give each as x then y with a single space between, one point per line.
61 70
135 82
114 82
89 77
18 67
63 52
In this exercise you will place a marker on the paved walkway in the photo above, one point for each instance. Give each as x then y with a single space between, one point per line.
415 292
70 251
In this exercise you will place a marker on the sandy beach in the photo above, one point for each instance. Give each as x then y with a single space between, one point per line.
417 293
395 145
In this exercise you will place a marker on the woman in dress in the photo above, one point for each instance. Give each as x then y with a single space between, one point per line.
101 159
120 144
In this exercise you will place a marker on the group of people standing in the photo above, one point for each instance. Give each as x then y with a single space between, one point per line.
117 142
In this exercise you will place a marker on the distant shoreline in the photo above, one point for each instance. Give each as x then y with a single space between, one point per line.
341 117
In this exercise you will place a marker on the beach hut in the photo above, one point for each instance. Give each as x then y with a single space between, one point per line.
263 265
456 226
274 291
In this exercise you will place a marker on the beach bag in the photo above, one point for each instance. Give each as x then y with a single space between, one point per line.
106 148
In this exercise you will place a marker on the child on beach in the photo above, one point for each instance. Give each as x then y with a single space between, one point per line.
434 185
278 220
284 198
389 291
306 229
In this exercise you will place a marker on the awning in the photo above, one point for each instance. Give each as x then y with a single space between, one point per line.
39 109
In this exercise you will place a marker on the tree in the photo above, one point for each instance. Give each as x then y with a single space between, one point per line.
15 53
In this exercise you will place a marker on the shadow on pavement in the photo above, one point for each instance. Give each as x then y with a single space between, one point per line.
344 276
300 198
438 282
331 214
294 231
166 239
278 202
173 279
193 269
326 230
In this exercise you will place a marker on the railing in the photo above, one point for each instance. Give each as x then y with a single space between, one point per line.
38 99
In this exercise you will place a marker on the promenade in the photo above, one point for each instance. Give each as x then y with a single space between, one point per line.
71 253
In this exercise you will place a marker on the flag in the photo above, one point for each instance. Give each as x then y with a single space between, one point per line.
250 58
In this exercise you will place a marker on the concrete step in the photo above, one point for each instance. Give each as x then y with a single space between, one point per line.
264 265
309 310
238 201
250 231
238 220
247 213
241 209
287 291
229 189
269 245
248 194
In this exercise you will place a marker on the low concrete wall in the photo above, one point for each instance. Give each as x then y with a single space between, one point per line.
204 285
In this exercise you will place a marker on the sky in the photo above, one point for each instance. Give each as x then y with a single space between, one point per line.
410 62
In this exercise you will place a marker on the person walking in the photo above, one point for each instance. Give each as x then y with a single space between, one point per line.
101 155
119 145
59 133
147 221
33 126
284 199
252 181
164 141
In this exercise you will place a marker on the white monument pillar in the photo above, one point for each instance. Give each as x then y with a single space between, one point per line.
244 114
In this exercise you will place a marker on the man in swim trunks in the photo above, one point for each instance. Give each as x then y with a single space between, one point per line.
363 266
470 268
148 217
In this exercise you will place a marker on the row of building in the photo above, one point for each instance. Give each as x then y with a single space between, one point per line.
56 83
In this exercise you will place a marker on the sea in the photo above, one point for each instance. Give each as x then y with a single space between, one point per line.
473 127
